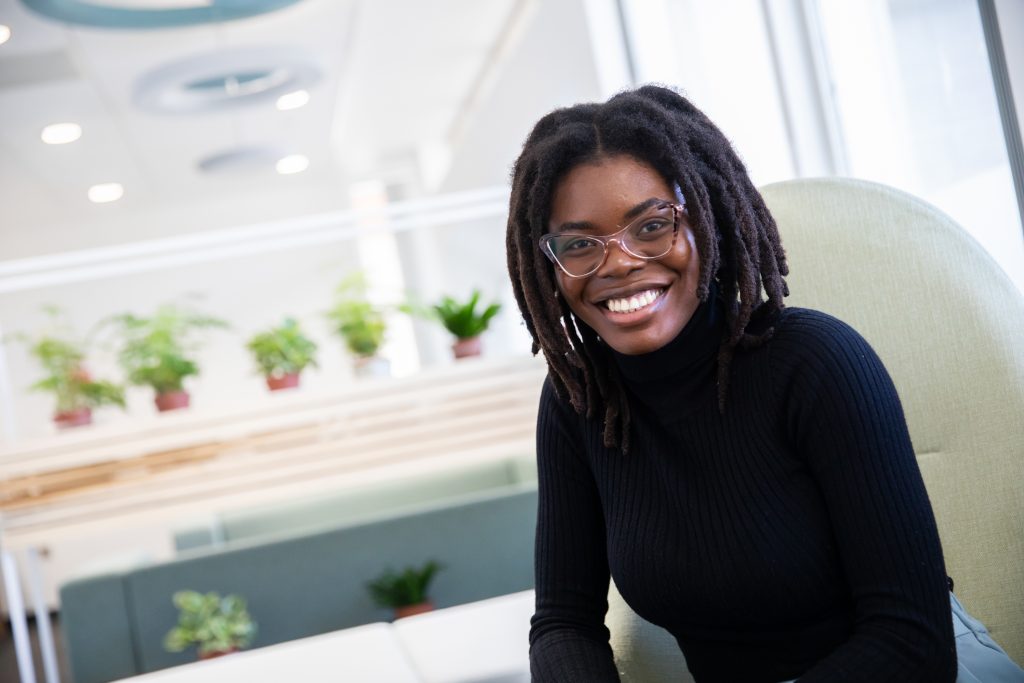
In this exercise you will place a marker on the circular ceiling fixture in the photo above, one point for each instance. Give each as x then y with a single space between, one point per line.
5 33
146 14
225 79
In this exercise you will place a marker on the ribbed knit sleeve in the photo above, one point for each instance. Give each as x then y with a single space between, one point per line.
845 416
568 639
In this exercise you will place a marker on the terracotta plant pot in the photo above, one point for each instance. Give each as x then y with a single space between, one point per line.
218 653
278 382
73 418
172 400
465 348
409 610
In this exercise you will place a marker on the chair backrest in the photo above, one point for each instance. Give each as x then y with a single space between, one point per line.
948 324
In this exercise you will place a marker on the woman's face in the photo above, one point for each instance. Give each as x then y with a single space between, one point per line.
596 198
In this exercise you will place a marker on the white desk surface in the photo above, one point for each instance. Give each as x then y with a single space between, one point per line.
364 654
480 642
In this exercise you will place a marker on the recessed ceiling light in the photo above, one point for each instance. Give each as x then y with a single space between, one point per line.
293 100
106 192
5 33
61 133
293 163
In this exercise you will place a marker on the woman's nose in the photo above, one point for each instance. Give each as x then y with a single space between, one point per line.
617 261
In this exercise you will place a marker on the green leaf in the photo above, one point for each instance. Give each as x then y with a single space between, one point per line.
392 589
157 351
283 349
211 622
355 319
462 319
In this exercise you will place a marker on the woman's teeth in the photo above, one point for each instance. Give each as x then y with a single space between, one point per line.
633 303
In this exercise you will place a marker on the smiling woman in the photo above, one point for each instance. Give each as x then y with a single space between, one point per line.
742 470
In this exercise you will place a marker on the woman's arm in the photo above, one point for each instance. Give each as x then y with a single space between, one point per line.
568 639
845 415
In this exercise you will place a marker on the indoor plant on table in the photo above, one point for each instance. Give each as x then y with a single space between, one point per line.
464 322
159 351
405 591
218 625
282 353
360 324
75 390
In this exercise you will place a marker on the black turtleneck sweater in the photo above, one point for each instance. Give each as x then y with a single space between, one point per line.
790 537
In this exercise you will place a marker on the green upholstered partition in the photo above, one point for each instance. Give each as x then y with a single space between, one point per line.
313 583
102 647
394 494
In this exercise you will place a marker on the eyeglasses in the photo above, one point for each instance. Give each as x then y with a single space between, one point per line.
650 236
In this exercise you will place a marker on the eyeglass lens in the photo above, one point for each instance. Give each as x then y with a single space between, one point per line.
650 236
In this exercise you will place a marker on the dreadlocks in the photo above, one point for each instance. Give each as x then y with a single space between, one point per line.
736 237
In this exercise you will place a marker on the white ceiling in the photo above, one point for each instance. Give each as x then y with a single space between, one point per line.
399 76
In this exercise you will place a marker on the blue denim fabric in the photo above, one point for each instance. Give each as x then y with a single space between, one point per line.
979 658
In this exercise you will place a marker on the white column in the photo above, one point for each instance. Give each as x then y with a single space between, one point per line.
35 586
19 623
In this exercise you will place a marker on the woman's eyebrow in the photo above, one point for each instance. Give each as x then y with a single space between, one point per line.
575 226
643 206
578 226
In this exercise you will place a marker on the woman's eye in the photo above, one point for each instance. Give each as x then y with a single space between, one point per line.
577 245
652 227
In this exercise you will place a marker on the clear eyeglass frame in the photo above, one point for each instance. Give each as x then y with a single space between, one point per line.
618 237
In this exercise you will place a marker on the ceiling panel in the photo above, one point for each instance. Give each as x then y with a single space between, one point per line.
395 74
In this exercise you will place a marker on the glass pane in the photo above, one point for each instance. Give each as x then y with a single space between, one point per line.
917 110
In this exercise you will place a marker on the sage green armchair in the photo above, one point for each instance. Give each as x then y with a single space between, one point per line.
949 326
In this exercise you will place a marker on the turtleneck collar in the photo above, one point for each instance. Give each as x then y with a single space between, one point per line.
675 375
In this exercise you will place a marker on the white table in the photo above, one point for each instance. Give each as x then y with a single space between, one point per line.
481 642
368 654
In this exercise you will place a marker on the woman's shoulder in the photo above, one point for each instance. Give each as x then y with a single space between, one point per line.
809 341
808 326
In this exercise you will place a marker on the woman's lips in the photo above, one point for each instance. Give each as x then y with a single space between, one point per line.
638 315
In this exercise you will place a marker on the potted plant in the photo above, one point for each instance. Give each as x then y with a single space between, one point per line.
218 625
360 323
406 591
158 351
74 388
282 353
464 322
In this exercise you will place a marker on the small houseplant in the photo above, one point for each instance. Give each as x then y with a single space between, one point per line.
159 351
282 353
464 322
360 324
405 591
217 625
75 390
